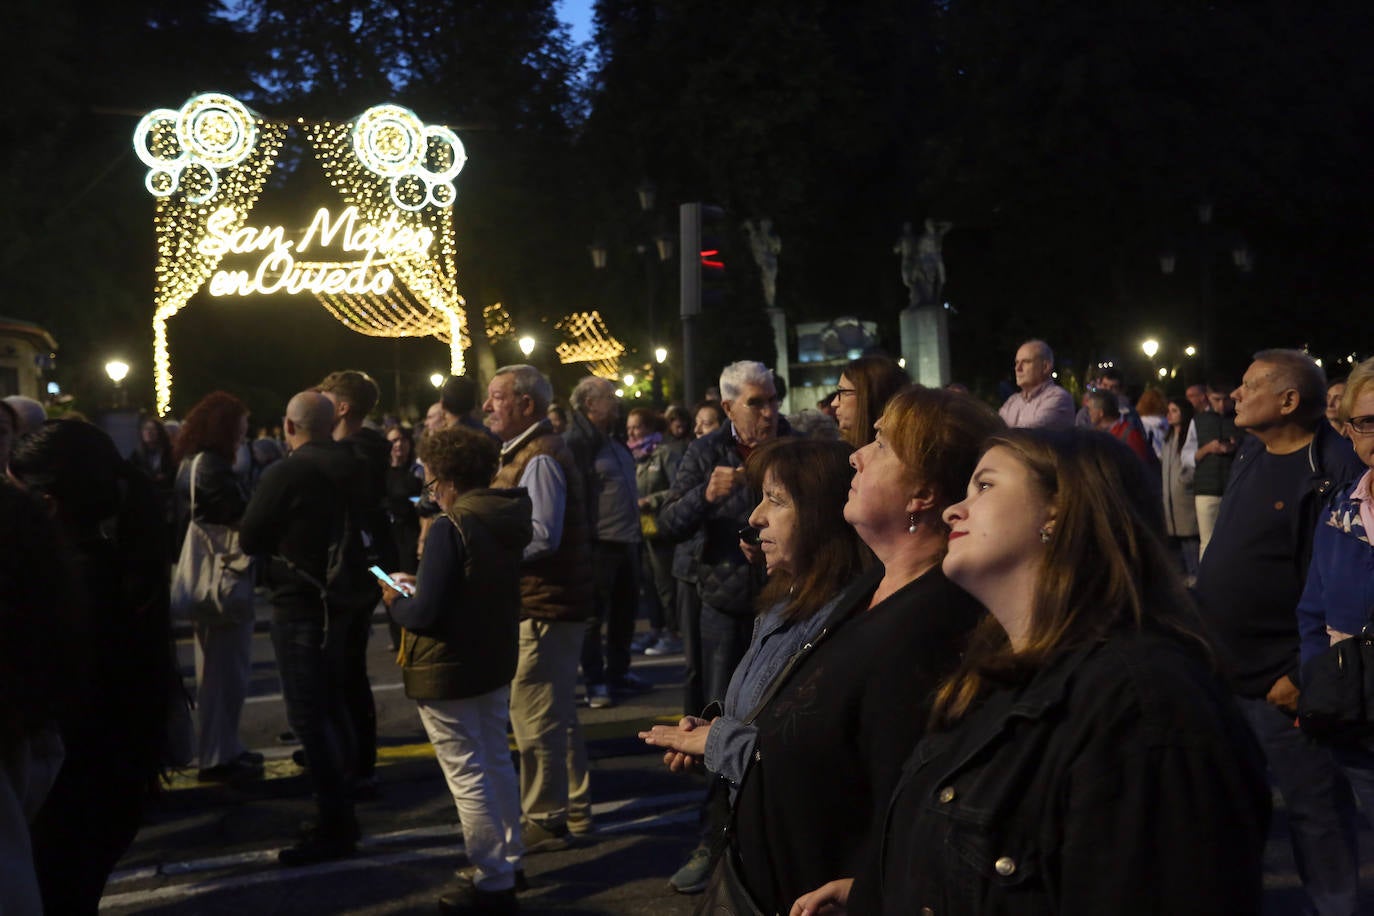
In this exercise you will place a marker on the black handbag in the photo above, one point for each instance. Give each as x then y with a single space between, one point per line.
1336 703
725 894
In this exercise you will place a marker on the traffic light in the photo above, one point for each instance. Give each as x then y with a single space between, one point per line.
702 230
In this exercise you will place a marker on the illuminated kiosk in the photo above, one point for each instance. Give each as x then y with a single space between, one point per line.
382 264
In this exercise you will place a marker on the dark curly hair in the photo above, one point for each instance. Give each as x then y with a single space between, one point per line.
212 426
461 456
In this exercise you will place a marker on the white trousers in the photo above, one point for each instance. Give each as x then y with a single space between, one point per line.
469 738
1208 507
224 663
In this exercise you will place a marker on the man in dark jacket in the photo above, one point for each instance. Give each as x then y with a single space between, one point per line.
1248 588
354 394
296 520
711 497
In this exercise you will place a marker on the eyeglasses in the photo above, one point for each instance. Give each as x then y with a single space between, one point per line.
1362 425
428 489
842 392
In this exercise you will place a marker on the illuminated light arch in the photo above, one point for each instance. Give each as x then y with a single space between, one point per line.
589 341
207 164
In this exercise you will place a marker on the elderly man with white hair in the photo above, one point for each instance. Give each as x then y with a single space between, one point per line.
710 495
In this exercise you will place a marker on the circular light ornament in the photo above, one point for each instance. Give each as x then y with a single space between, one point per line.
217 130
389 140
456 156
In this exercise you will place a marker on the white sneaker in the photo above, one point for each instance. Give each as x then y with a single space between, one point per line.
598 696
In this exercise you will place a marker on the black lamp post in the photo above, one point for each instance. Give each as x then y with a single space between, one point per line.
1206 242
661 244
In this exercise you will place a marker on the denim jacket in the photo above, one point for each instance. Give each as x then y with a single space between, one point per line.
730 742
1120 779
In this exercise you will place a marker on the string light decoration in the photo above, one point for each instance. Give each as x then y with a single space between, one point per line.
498 323
392 167
212 153
589 341
207 164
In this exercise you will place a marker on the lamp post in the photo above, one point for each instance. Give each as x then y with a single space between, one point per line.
437 379
117 370
659 243
526 345
1206 242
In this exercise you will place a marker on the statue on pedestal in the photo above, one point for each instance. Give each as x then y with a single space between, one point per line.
923 267
766 246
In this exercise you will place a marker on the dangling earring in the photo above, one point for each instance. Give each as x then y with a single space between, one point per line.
911 529
1045 532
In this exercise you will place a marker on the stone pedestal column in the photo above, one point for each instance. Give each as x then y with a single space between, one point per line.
925 345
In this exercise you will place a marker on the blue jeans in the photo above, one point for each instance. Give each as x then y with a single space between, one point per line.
1321 817
724 640
312 660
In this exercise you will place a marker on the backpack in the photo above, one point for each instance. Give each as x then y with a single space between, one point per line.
347 583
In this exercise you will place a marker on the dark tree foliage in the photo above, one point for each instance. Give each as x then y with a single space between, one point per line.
1069 142
76 239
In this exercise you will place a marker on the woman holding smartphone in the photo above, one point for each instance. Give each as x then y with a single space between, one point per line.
458 653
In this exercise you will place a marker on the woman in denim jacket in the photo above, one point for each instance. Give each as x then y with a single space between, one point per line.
1085 757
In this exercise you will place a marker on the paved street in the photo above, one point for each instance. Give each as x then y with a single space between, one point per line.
212 850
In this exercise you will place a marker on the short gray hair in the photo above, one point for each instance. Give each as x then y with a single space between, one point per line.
586 389
1295 369
735 376
530 381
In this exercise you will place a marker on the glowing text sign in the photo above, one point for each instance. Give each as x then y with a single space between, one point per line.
278 271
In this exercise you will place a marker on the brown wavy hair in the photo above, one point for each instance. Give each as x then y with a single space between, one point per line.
816 476
212 426
1105 568
938 435
876 379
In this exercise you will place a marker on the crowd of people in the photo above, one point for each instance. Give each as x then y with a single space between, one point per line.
938 657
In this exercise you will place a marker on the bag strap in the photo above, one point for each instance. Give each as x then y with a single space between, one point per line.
195 463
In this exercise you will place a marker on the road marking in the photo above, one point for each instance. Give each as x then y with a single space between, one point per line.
679 808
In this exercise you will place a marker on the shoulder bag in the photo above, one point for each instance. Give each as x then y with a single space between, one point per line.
1336 703
213 581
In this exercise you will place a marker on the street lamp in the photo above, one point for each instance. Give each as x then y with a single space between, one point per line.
649 244
117 370
437 379
526 345
1190 351
1150 347
1207 241
660 355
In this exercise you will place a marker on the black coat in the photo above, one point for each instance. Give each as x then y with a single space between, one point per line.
1121 779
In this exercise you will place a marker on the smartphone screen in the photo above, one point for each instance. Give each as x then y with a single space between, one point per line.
382 575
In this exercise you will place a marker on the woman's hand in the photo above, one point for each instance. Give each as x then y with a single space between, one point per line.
686 743
407 583
829 899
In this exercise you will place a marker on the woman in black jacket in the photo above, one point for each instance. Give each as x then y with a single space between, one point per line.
1085 757
207 444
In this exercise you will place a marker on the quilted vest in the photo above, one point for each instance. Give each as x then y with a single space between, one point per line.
559 585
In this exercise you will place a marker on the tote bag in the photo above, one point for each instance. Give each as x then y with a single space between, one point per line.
213 580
